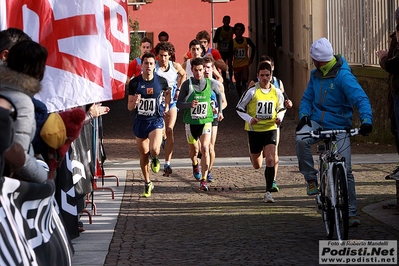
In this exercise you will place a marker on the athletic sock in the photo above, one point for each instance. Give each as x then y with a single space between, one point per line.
269 177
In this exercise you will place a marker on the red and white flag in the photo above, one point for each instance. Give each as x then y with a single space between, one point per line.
88 45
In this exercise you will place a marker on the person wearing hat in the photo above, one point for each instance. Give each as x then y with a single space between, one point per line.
58 132
393 113
19 81
327 103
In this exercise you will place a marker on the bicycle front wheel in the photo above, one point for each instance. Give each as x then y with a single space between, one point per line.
327 212
341 205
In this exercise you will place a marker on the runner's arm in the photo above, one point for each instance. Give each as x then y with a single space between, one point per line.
242 104
183 96
132 98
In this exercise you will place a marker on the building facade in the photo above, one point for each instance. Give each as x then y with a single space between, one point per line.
182 19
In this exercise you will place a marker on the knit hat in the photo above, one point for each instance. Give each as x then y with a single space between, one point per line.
321 50
66 128
73 120
53 131
397 14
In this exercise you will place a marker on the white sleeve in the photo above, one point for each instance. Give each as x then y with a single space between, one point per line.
243 102
280 106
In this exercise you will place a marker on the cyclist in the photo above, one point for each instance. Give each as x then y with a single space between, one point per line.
327 103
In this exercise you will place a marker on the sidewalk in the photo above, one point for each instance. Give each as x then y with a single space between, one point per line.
93 245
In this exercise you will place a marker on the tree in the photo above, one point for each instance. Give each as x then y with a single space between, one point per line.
134 39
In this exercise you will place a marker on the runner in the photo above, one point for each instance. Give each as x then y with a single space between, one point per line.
195 100
222 37
208 70
175 75
259 108
197 51
287 103
134 69
145 93
204 38
240 56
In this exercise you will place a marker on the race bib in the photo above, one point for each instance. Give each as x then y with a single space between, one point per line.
264 110
240 53
224 46
200 111
146 107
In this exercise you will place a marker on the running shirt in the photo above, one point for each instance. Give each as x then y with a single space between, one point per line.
189 73
224 38
262 104
240 50
214 52
134 69
214 103
149 107
171 77
202 113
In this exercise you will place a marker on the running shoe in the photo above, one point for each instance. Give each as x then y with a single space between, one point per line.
275 187
354 221
311 188
395 173
209 177
268 197
148 189
167 170
196 172
155 165
203 185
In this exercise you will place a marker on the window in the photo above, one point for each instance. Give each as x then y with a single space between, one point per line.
136 2
141 34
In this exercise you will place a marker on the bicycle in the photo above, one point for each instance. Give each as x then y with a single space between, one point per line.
332 198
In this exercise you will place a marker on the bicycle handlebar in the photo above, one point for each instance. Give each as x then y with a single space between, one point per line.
319 133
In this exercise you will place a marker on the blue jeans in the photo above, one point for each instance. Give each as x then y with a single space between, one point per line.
306 162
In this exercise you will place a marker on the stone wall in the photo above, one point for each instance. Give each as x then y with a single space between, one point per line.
373 80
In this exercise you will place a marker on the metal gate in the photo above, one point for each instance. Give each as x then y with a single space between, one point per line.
357 28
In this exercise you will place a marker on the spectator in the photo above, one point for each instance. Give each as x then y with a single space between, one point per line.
393 112
20 80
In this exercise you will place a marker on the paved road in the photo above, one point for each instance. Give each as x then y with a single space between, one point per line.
230 225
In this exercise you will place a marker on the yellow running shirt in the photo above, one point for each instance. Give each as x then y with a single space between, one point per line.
263 106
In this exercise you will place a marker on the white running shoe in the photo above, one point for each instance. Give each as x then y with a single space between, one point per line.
268 197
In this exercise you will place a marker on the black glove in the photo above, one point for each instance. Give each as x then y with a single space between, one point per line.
304 121
365 129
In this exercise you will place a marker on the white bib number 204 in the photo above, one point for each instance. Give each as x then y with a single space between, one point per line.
200 111
264 109
146 107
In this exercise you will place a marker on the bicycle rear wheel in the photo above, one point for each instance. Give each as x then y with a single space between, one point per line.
327 212
342 204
